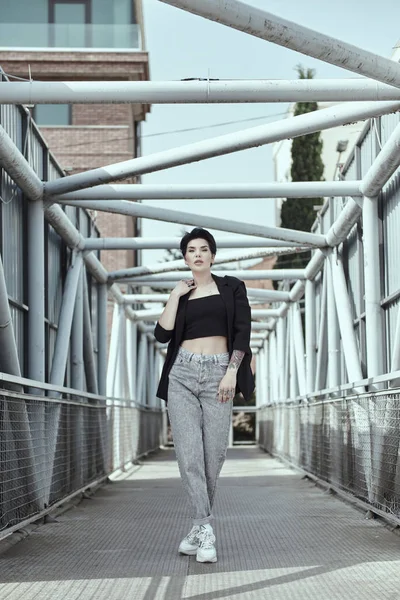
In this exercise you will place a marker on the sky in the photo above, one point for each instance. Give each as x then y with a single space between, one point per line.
182 45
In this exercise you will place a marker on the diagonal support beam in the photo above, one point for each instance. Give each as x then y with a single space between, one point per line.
249 275
138 191
135 209
180 265
272 28
320 120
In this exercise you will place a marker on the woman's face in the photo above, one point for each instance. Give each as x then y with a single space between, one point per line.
198 255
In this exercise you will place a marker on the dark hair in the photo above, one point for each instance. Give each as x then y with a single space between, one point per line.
196 233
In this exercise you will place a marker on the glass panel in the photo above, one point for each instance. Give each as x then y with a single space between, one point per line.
52 114
70 35
117 12
71 18
24 11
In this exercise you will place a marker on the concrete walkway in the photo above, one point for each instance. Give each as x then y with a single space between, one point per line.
278 537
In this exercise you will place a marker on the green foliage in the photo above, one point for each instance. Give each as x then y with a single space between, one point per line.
307 165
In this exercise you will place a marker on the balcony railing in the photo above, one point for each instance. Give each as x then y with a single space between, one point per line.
66 36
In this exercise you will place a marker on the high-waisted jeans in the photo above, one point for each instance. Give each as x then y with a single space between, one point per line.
200 426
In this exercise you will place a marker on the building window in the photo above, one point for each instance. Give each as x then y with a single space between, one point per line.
69 24
52 114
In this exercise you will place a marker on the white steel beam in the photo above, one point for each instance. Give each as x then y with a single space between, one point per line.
195 92
169 243
139 191
345 319
319 120
269 27
180 265
257 293
18 168
383 167
374 324
135 209
275 274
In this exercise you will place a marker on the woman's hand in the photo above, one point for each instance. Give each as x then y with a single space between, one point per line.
227 386
184 286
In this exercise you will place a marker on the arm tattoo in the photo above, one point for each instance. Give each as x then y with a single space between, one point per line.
236 359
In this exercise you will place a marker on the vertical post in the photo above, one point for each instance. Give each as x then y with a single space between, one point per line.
88 353
373 311
333 330
345 320
281 334
141 379
36 293
310 335
321 370
77 338
131 335
114 351
102 338
292 368
65 320
299 347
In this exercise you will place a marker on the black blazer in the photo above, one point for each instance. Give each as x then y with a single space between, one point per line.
233 292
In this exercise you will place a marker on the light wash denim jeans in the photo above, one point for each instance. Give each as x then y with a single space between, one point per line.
200 426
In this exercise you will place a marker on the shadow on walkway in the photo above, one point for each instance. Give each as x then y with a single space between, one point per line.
278 536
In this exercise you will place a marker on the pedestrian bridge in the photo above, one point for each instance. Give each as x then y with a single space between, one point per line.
81 427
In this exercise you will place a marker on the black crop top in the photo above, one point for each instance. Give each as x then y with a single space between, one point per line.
205 317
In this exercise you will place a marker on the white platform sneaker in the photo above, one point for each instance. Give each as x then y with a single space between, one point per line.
206 551
190 544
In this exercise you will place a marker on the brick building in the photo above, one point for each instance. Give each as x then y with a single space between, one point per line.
69 40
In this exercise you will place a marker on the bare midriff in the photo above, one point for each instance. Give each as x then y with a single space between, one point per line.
216 344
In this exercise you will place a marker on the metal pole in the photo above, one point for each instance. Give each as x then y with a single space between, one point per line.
373 310
345 318
65 320
215 191
333 330
77 367
322 348
135 209
88 352
272 28
383 167
131 341
141 384
18 168
310 335
293 370
193 92
180 265
9 361
238 241
233 142
298 342
36 293
249 275
102 338
114 352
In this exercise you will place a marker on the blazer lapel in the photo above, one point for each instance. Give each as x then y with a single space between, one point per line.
180 317
227 296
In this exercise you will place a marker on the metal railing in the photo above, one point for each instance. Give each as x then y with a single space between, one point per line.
54 447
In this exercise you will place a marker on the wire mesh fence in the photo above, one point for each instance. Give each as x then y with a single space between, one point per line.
53 448
352 443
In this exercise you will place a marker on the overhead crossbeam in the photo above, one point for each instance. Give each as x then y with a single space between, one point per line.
270 27
135 209
275 274
319 120
195 92
137 191
170 243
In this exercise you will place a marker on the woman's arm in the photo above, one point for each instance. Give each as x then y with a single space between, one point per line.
164 328
241 343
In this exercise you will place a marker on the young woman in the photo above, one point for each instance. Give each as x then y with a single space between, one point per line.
207 323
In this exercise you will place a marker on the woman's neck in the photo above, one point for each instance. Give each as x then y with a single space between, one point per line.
203 279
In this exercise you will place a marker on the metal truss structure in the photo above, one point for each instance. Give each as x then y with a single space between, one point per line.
327 376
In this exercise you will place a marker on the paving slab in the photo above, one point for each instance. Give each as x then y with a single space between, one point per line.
279 537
